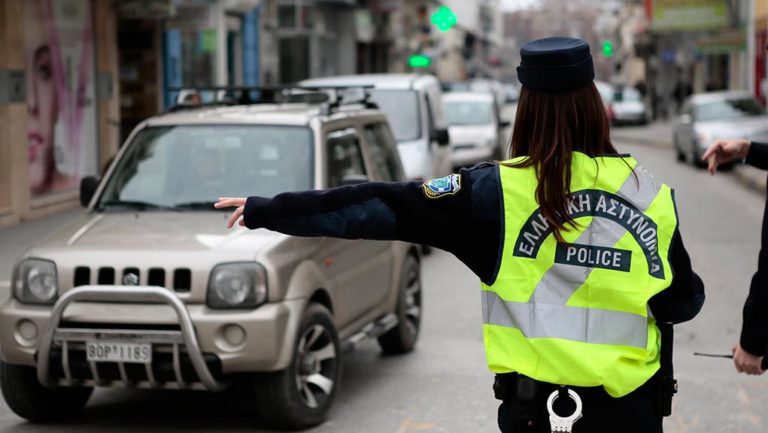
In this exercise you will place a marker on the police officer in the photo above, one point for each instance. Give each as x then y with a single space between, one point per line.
577 248
753 343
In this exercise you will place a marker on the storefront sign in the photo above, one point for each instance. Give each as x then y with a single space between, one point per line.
61 119
677 15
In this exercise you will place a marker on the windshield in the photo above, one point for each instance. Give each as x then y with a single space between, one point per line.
728 109
468 113
402 110
190 167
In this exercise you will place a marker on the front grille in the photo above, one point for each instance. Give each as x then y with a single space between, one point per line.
181 277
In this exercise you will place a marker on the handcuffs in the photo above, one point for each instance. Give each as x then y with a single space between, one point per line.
558 423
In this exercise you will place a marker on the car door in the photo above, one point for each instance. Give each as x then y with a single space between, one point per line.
435 121
359 268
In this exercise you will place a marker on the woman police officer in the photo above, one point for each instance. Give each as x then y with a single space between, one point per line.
577 248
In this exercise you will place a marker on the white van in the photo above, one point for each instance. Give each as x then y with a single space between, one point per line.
413 104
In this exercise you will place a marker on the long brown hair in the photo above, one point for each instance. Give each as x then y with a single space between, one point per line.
548 127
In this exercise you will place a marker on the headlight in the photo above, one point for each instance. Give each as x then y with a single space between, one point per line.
237 285
34 282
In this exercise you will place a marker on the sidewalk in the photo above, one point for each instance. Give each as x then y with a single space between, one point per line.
659 134
16 240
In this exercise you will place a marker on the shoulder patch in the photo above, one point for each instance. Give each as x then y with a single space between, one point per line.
448 185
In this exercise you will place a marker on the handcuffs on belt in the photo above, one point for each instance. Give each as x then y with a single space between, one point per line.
563 424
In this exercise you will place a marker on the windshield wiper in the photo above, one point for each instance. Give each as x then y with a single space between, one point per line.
196 205
132 204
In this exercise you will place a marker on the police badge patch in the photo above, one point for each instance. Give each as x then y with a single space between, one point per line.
439 187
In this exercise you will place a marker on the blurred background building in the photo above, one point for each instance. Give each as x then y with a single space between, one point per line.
77 75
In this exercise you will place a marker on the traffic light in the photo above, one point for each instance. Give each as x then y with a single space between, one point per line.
419 61
444 18
607 48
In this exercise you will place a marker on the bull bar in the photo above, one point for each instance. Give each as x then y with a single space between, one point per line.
117 294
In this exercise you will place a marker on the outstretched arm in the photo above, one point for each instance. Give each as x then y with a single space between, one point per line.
460 215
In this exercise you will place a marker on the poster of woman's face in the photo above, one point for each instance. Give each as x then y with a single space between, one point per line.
60 106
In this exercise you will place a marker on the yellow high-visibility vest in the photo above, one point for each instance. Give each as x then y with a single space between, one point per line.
577 313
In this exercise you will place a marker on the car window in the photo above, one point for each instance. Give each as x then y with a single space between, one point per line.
468 112
173 165
728 109
402 110
344 156
382 151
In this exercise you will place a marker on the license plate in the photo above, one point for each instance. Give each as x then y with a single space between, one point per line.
119 352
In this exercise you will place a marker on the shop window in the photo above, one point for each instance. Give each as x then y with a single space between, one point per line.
286 16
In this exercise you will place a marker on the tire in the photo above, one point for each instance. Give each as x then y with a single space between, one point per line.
696 157
29 399
402 338
287 399
679 154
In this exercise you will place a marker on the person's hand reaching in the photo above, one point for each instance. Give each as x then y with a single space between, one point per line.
236 202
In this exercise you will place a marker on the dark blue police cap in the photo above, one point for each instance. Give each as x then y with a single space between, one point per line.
555 64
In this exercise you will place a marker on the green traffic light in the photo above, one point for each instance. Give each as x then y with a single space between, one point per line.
444 18
607 48
419 61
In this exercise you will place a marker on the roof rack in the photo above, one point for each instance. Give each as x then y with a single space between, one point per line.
331 98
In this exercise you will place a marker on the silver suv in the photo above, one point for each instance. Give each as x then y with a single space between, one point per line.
150 290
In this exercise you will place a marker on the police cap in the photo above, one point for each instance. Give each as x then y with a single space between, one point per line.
555 64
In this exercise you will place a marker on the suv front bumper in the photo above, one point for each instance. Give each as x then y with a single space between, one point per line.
193 341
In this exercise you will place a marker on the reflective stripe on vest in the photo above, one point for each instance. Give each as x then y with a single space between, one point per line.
620 247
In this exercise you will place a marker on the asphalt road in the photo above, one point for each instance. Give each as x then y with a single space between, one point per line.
444 385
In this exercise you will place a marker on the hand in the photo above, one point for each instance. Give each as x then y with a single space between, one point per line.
723 151
746 362
236 202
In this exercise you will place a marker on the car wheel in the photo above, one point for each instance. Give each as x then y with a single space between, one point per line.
300 396
29 399
679 152
696 156
402 338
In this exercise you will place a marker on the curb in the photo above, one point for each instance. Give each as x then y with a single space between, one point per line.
642 141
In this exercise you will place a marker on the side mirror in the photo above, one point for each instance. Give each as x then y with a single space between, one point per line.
441 137
685 118
354 179
505 124
88 187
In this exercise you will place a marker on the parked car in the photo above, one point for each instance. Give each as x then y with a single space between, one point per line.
475 127
623 104
148 289
627 107
706 117
413 105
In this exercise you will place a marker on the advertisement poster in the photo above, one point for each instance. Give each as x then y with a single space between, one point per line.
677 15
61 112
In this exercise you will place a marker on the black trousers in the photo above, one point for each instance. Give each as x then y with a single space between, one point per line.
636 412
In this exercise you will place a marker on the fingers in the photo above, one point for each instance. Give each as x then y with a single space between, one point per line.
712 166
225 202
235 216
714 149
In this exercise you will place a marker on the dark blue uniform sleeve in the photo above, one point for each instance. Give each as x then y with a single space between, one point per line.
394 211
683 299
754 331
758 155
